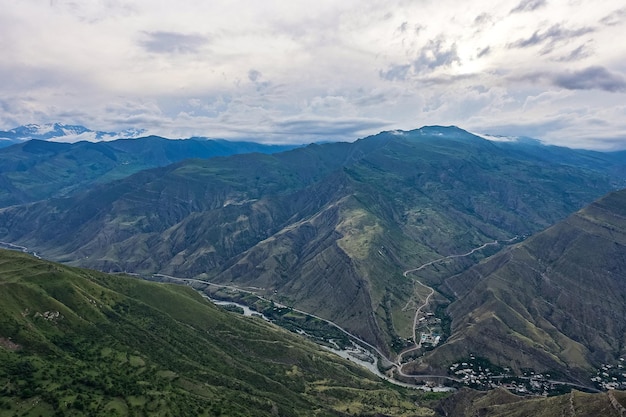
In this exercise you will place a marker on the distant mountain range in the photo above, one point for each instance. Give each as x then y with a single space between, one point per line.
59 132
37 169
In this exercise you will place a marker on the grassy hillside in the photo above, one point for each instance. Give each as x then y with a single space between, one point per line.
79 342
555 302
327 228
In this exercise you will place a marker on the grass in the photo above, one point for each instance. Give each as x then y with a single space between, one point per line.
122 346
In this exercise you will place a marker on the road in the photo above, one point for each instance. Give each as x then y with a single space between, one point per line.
418 345
387 361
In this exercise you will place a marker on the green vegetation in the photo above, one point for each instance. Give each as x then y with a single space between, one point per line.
79 342
313 328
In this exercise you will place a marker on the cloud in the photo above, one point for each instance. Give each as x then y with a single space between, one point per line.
329 127
172 42
614 18
551 36
435 54
528 6
591 78
254 75
395 72
482 19
577 54
242 69
483 52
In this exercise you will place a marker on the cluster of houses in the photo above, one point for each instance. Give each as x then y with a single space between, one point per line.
478 373
611 376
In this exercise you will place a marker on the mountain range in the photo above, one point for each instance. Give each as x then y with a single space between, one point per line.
37 169
512 252
329 228
60 132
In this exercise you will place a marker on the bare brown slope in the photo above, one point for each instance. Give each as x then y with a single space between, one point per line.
500 403
556 301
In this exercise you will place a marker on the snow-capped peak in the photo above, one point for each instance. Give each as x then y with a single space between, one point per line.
59 132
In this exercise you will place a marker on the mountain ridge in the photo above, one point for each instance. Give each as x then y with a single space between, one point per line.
64 133
303 223
36 169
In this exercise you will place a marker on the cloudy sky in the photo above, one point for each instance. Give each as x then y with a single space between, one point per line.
301 70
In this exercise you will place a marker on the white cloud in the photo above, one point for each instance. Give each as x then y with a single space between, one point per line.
322 69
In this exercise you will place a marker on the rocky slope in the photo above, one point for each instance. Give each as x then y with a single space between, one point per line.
555 302
327 228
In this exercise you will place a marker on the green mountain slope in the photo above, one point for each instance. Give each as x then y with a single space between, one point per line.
327 228
80 342
555 302
37 169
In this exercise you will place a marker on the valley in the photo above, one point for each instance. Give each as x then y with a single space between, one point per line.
454 260
477 373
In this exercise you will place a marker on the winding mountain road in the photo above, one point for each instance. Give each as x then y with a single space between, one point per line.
418 311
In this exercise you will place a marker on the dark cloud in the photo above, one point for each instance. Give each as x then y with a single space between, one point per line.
484 52
576 55
434 55
550 37
372 100
173 42
395 72
591 78
482 19
614 18
607 143
445 79
254 75
328 128
528 6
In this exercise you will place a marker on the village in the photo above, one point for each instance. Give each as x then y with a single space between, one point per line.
478 373
611 376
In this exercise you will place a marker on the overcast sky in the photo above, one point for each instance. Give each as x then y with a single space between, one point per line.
302 71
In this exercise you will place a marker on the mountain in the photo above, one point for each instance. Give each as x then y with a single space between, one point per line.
37 169
328 229
62 133
500 403
554 303
80 342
